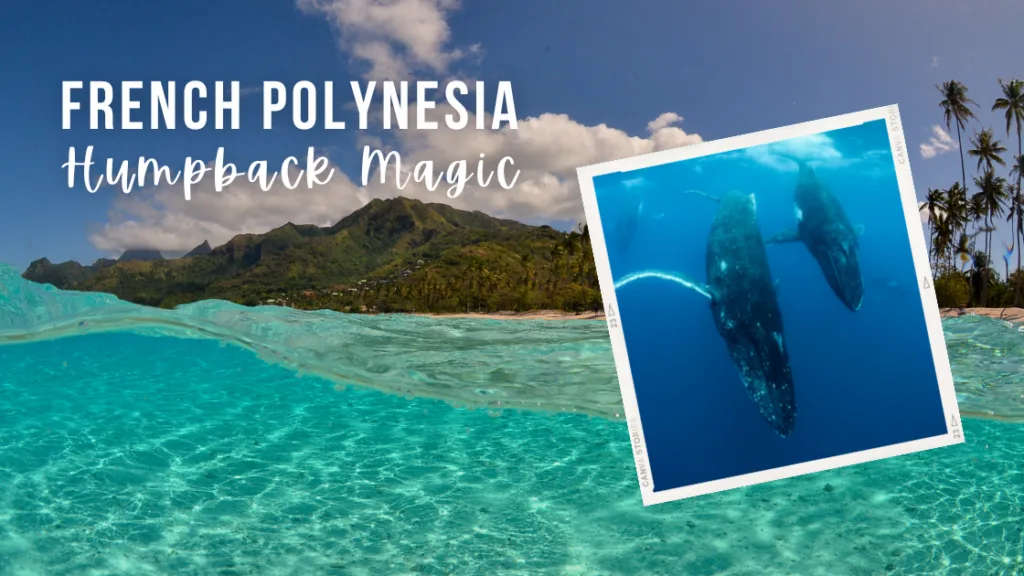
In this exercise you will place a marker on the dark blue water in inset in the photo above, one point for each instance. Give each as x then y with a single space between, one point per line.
863 380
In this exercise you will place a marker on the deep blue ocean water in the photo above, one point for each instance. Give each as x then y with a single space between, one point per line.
136 441
863 380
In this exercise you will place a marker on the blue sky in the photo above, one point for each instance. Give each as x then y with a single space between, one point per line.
724 67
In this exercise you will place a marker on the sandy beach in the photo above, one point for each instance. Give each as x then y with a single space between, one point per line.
531 315
1008 314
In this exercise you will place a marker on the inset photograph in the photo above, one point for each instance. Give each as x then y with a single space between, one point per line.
770 305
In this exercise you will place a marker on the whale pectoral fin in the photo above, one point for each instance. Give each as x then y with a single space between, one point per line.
711 197
698 287
784 237
859 229
708 292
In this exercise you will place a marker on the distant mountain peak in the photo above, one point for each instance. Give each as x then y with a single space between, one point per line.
200 250
140 254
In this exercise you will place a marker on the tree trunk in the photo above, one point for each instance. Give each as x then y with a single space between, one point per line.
1016 225
1018 236
963 174
982 278
963 167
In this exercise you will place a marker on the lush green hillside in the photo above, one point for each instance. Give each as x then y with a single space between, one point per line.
390 255
65 274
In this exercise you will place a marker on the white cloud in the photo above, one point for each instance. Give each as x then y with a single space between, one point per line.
940 143
394 38
665 120
935 61
547 149
161 218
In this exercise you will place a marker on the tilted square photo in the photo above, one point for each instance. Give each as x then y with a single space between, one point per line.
770 306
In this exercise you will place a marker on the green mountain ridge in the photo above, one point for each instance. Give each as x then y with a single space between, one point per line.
389 256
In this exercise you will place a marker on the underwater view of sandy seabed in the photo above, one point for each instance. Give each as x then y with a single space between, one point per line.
218 439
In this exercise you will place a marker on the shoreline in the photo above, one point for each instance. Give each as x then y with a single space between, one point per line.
1010 314
528 315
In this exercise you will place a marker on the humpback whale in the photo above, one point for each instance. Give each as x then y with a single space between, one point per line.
629 218
744 307
823 227
625 229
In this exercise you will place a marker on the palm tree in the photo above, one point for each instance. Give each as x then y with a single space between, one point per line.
956 207
993 194
934 205
956 108
1012 212
1017 208
987 150
1015 204
528 271
935 202
976 211
1016 171
965 247
942 240
982 274
1012 103
1016 216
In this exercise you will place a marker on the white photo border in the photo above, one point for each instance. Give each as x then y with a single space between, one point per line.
929 305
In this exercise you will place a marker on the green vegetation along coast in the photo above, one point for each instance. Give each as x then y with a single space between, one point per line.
396 255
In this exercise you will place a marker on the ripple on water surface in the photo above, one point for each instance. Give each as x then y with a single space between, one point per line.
548 365
124 454
987 357
464 361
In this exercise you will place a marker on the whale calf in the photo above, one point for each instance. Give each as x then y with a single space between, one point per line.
823 227
744 307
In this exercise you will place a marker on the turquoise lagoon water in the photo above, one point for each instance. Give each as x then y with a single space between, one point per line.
220 440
